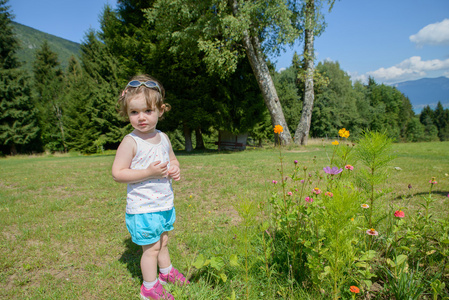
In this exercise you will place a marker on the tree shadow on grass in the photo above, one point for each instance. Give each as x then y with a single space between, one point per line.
131 257
424 194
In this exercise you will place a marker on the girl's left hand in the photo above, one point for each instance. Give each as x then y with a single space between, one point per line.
174 172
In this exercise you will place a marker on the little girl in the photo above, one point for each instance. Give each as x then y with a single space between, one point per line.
146 162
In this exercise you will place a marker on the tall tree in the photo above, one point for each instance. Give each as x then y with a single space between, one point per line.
49 84
313 26
335 102
200 101
225 30
441 121
94 120
8 42
19 130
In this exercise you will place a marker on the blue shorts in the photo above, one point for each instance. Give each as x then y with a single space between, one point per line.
146 229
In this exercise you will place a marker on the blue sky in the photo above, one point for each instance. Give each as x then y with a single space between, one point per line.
390 40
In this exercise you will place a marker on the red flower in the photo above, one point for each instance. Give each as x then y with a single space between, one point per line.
354 289
399 214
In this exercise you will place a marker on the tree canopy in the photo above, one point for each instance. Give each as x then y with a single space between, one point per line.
211 57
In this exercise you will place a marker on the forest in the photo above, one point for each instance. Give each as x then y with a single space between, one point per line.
208 62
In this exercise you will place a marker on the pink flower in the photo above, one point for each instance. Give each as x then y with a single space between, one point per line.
448 195
333 170
329 194
364 206
349 167
274 181
372 232
316 191
309 199
433 181
399 214
296 162
302 181
289 193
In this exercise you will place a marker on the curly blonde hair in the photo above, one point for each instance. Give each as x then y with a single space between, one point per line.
154 98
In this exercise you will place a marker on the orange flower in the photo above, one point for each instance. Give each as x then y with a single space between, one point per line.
343 133
354 289
278 129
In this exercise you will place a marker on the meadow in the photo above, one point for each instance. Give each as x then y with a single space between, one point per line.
63 233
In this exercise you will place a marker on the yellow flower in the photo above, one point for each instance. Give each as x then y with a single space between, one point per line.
278 129
335 143
343 133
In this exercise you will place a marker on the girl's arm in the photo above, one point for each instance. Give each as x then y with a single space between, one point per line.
121 171
175 171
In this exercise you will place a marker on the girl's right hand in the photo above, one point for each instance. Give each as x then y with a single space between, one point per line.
157 169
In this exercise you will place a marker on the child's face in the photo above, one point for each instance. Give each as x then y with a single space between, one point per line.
143 118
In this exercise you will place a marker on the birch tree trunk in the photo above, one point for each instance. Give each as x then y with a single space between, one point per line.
303 128
259 66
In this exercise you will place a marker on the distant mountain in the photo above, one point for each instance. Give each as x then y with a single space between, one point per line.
31 39
426 91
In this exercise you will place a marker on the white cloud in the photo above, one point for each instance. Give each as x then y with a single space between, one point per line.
355 76
432 34
281 70
411 68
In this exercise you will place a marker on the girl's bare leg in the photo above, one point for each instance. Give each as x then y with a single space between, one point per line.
148 262
163 259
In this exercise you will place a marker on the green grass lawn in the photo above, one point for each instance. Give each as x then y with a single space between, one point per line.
63 233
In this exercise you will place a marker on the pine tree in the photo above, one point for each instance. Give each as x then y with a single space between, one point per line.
441 121
93 120
19 131
8 42
49 85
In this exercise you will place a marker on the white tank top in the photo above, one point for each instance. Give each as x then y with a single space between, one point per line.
155 194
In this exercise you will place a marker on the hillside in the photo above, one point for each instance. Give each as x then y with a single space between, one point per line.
31 39
426 91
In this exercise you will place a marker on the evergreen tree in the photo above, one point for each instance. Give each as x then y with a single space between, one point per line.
426 116
19 130
94 122
8 42
49 85
441 121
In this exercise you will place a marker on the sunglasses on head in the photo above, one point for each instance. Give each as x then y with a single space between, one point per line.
149 84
